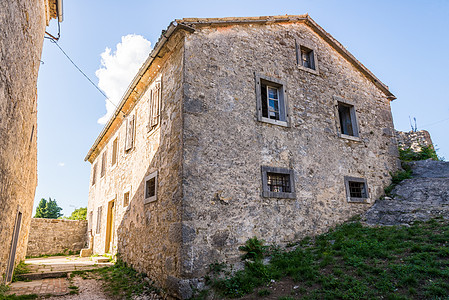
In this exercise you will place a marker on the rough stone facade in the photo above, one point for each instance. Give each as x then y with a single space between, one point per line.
414 139
21 36
53 236
209 155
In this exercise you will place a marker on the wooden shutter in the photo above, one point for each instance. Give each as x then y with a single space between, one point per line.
99 215
129 133
114 151
154 105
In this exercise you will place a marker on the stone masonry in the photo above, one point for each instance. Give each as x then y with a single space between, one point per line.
212 147
414 139
53 236
21 36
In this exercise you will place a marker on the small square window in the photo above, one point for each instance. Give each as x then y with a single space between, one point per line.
306 58
271 101
356 189
126 199
278 183
151 188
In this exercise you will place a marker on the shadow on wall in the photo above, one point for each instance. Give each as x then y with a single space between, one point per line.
149 234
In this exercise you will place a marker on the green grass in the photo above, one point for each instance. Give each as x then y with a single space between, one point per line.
425 153
120 280
20 269
354 262
3 296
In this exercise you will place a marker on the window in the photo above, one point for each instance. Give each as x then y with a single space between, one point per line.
103 164
129 141
347 122
278 183
271 101
306 58
114 151
126 199
99 215
356 189
151 188
154 104
94 174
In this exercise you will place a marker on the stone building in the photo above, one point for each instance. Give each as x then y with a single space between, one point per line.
22 32
234 128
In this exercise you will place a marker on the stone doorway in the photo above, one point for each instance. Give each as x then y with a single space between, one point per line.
12 253
110 227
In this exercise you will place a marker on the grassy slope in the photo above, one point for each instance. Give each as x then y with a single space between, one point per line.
352 262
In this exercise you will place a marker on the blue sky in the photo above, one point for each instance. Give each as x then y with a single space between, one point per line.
404 43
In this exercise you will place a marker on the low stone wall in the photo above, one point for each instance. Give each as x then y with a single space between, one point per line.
50 236
413 139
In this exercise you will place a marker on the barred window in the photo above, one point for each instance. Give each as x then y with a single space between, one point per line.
278 183
356 189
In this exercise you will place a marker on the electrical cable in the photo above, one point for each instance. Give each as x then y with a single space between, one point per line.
87 77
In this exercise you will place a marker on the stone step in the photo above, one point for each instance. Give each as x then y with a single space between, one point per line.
101 259
44 275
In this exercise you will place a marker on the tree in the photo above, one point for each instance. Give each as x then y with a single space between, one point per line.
78 214
48 209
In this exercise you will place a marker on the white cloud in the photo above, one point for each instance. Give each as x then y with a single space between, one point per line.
118 68
61 164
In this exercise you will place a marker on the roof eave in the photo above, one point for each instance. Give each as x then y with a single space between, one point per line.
153 54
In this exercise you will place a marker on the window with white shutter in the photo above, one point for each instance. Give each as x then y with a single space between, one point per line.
130 126
154 103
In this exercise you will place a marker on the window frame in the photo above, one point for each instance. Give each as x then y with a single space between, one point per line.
147 179
303 44
266 193
284 117
348 192
353 114
126 191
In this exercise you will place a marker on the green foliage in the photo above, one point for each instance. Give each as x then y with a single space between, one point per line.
254 249
20 269
399 176
426 152
120 281
48 209
352 262
78 214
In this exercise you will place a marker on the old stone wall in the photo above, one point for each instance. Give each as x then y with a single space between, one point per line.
53 236
225 145
21 37
414 139
146 235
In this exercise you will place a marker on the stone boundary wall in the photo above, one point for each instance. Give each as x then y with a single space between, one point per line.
413 139
52 236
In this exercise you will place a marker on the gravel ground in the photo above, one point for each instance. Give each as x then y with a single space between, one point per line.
90 289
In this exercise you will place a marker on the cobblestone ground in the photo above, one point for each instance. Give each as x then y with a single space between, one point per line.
53 286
